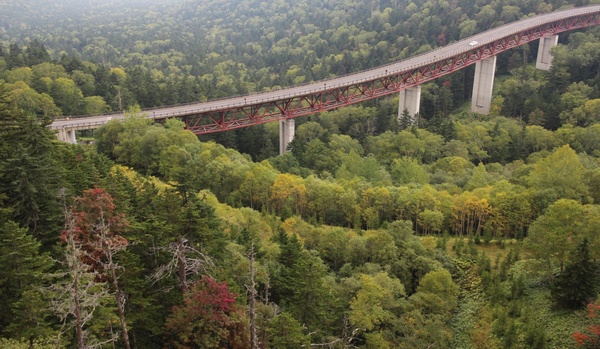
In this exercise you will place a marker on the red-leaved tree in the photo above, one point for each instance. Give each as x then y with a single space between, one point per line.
96 228
209 318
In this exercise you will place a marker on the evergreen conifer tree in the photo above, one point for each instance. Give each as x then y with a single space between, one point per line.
405 120
23 312
576 284
29 177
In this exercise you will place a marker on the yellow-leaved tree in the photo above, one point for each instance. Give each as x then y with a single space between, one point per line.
288 195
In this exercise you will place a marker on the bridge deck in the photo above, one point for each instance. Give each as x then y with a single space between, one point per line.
218 115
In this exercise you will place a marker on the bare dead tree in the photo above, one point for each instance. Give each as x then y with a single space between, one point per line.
345 341
95 227
111 244
253 294
267 286
186 261
348 333
77 293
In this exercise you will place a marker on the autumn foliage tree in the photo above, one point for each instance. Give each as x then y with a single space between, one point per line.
288 194
469 215
79 292
97 227
209 318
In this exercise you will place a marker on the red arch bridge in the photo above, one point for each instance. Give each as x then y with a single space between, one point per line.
402 77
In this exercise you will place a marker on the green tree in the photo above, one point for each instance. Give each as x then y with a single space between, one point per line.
320 194
40 105
95 105
405 120
134 127
377 301
430 221
24 312
157 139
44 74
297 283
85 82
439 282
576 285
29 176
257 184
286 332
563 172
67 96
197 221
36 53
15 58
538 138
22 344
367 168
558 231
512 212
310 302
107 138
424 322
23 74
333 248
479 178
407 170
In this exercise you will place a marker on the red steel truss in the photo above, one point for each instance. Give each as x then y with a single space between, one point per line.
237 116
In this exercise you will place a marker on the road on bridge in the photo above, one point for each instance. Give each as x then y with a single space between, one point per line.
393 69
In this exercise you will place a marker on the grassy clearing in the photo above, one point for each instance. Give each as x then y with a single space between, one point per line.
476 321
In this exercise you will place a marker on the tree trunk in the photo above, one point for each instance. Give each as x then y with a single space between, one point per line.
79 327
253 338
120 308
181 264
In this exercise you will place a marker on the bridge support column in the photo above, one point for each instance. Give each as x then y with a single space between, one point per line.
544 58
483 85
410 99
66 135
286 134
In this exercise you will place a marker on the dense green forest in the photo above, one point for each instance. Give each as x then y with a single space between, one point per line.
455 231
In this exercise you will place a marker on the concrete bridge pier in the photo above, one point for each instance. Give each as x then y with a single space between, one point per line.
544 57
286 134
410 99
67 135
483 85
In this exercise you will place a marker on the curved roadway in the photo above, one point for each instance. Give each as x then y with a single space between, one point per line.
347 80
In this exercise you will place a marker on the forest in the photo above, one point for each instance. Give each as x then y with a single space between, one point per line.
454 230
